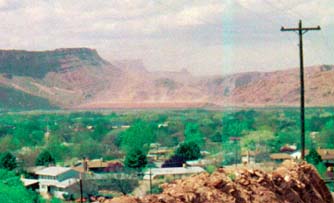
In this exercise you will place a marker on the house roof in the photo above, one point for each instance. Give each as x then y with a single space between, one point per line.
326 154
97 163
279 156
199 162
28 182
53 171
172 171
160 151
34 169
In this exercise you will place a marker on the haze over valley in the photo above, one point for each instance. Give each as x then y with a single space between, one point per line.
78 78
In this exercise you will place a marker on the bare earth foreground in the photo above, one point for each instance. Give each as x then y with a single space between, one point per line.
292 182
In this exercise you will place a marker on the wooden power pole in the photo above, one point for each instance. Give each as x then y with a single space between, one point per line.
300 30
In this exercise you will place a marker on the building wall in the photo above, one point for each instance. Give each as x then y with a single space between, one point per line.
46 183
67 175
64 176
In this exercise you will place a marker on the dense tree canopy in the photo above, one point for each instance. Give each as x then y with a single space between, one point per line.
258 140
45 159
12 189
136 159
174 161
8 161
95 135
138 136
326 137
192 134
313 157
188 151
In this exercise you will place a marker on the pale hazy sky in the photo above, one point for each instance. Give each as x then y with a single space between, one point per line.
203 36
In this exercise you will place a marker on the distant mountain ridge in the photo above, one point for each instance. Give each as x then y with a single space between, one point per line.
79 78
37 64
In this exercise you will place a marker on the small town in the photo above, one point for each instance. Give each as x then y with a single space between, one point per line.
178 101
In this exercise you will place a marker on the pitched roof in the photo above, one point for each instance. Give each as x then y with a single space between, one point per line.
28 182
172 171
53 171
326 154
280 156
97 163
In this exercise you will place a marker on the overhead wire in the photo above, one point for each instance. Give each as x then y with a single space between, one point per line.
325 41
272 21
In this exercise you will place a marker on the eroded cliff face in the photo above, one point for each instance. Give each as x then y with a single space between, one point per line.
65 77
290 183
78 78
37 64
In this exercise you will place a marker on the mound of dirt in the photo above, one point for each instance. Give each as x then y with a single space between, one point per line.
292 182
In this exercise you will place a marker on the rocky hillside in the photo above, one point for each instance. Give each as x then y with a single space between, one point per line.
12 99
80 78
290 183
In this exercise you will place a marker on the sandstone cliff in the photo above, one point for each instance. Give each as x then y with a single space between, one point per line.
79 78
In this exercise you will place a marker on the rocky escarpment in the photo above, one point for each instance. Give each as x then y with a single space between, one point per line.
37 64
290 183
79 78
64 77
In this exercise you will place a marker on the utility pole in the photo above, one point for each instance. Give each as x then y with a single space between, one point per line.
150 180
81 192
300 30
235 139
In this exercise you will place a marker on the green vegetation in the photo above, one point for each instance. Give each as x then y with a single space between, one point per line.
71 136
188 151
45 159
18 100
156 189
313 157
138 136
44 138
12 189
193 134
8 161
136 159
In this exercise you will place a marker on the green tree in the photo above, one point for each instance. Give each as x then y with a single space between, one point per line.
174 161
136 159
258 140
8 161
45 159
188 151
12 189
89 148
139 136
7 143
124 182
231 152
193 134
313 157
326 136
237 123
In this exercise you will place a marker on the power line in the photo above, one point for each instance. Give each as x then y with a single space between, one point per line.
301 31
294 14
265 21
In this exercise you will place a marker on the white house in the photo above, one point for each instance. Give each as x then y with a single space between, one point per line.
57 180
